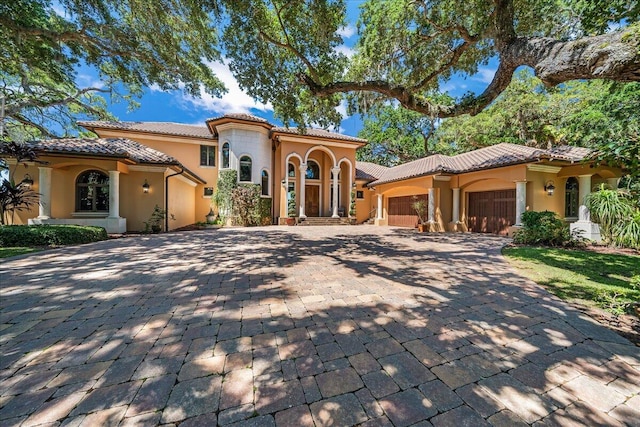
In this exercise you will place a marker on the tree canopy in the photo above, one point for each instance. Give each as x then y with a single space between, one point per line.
287 52
132 44
290 53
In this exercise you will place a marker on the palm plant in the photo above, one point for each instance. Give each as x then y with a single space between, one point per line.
615 212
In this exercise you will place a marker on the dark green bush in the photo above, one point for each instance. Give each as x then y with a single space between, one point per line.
49 235
544 228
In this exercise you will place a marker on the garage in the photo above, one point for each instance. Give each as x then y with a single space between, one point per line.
491 211
401 212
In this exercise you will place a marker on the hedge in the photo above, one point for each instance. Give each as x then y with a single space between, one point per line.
49 235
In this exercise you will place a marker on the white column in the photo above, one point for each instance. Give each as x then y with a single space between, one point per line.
114 194
303 176
432 205
521 200
44 183
335 171
456 205
379 210
583 192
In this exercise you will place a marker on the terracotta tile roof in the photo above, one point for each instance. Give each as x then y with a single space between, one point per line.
369 171
165 128
318 133
239 116
484 158
121 148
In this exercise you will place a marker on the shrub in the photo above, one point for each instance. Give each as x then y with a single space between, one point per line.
544 228
617 215
49 235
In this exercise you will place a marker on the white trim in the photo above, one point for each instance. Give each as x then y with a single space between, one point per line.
159 169
444 178
325 142
320 148
226 141
543 168
185 180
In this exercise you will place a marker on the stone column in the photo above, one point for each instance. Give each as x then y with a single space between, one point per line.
335 171
303 176
456 206
584 190
521 201
379 210
44 183
114 194
584 227
432 205
613 183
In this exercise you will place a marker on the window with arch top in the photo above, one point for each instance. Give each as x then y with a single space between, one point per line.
571 198
225 155
92 191
313 170
265 183
291 171
245 169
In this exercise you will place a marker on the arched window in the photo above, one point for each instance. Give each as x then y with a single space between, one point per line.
571 202
92 192
225 155
292 170
313 170
265 183
245 169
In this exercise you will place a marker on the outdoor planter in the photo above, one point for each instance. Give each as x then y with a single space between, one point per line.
423 228
291 221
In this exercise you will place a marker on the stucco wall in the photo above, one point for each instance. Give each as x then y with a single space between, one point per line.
135 205
181 198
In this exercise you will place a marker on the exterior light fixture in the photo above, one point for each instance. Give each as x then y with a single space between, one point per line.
27 181
353 185
145 187
283 182
549 188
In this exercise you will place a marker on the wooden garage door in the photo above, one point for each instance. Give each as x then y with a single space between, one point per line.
492 211
401 214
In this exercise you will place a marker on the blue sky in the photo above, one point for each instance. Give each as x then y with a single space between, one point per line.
156 105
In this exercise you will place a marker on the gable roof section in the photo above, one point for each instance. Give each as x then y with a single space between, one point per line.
369 171
118 148
494 156
318 133
164 128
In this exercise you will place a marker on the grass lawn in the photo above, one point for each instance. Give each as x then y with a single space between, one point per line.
7 252
602 280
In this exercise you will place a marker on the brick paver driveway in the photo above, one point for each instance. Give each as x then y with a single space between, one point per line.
293 326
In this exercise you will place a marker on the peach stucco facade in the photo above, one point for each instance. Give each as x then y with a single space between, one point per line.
176 167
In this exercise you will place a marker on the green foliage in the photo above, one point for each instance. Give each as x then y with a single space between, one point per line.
249 208
131 44
352 204
544 228
15 197
291 204
227 182
609 281
49 235
618 215
154 223
15 251
420 206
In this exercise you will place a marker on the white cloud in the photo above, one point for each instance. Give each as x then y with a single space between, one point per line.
484 75
234 101
347 31
86 80
342 108
346 50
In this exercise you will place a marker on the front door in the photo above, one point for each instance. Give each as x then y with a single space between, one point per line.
312 200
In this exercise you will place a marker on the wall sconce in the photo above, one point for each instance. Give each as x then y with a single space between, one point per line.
145 187
27 181
353 185
283 182
549 188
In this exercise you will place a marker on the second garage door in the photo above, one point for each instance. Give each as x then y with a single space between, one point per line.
401 212
491 211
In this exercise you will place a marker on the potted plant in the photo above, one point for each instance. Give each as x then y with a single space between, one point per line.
291 208
352 208
420 206
211 217
154 223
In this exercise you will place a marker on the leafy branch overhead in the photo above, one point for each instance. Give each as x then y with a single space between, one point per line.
288 53
291 54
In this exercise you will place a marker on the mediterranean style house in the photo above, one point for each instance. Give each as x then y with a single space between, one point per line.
116 179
